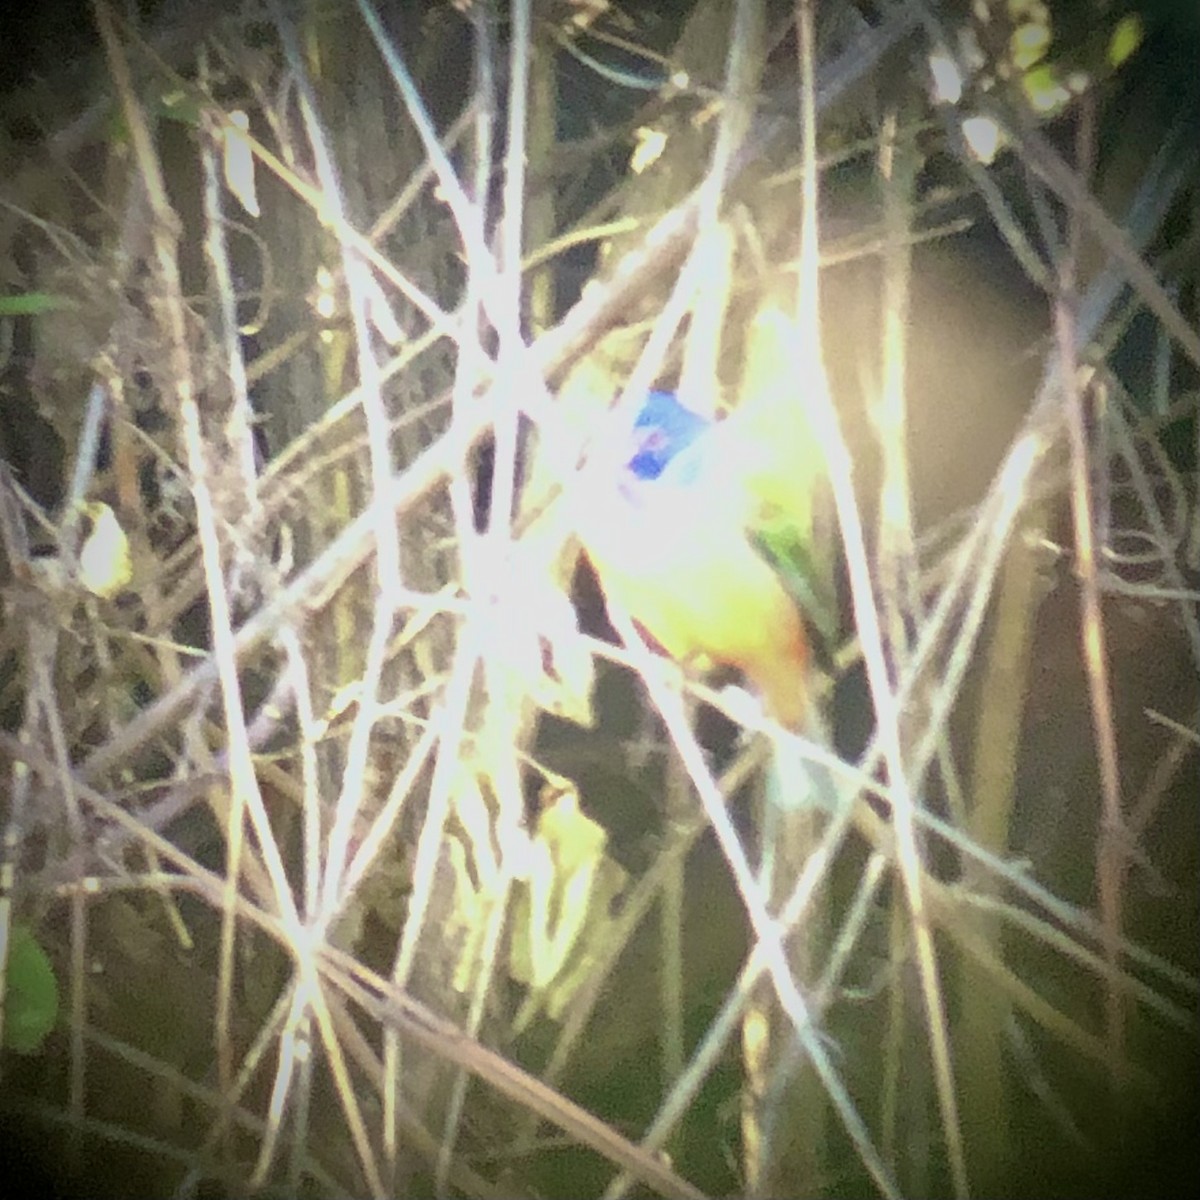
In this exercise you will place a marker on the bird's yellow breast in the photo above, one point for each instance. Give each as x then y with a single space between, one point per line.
710 598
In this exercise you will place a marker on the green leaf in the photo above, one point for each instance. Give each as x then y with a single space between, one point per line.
32 304
31 1004
178 105
1044 89
1126 38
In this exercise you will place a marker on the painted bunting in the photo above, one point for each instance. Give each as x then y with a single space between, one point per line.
695 538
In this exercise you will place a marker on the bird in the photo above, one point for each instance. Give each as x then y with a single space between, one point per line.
699 533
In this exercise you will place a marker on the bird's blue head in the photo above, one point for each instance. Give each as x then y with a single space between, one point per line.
663 428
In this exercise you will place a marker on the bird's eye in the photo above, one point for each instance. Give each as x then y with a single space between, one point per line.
651 456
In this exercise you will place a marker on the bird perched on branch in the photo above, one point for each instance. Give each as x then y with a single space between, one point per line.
702 534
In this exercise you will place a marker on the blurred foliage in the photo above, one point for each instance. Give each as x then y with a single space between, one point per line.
31 997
